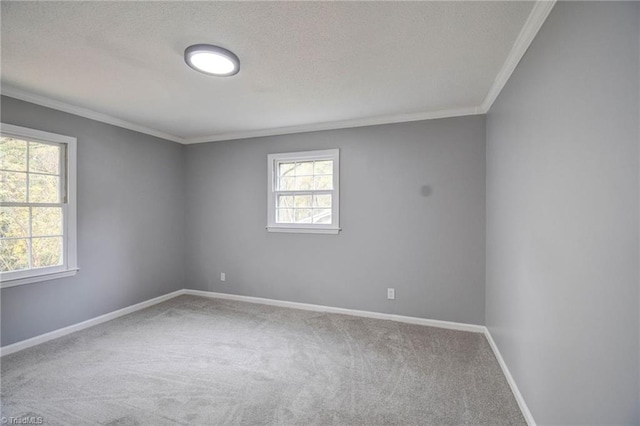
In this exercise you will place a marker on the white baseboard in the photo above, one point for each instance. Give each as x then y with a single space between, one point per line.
24 344
512 383
400 318
410 320
321 308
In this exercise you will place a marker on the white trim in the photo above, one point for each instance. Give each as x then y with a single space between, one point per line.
473 328
295 230
272 192
71 211
538 15
330 309
28 343
23 95
37 135
69 265
40 277
335 125
24 344
512 383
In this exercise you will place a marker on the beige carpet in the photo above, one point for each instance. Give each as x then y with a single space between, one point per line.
194 360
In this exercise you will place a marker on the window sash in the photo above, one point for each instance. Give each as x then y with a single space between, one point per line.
305 192
21 273
62 174
20 204
67 204
274 162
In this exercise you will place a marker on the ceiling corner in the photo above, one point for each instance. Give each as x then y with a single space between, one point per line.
537 17
23 95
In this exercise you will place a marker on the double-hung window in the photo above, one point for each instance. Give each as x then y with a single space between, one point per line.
37 206
304 192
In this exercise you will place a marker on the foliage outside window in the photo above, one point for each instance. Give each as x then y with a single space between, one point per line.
304 192
37 205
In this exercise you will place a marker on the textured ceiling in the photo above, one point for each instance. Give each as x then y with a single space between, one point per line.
302 63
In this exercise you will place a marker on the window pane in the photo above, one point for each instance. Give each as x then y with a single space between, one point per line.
14 222
13 187
303 201
322 200
44 189
13 154
44 158
14 255
286 169
287 183
285 201
321 215
304 169
46 252
323 168
46 221
284 215
323 182
304 183
303 215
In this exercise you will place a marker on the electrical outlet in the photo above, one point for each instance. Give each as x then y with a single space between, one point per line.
391 293
223 276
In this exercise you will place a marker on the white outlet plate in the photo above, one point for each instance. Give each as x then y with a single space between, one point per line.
223 276
391 293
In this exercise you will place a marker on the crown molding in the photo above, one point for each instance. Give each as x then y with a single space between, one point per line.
23 95
538 15
335 125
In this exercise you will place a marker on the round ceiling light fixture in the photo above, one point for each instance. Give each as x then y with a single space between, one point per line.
212 60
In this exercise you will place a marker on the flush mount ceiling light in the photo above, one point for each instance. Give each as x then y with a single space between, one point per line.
212 60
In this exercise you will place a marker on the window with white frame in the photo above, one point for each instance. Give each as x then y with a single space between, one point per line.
304 192
37 205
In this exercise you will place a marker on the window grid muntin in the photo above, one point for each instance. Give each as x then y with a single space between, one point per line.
278 176
62 190
274 161
313 207
279 191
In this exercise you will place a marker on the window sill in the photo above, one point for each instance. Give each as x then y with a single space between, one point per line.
303 230
37 278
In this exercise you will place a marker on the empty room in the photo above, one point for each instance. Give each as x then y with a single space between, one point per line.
320 213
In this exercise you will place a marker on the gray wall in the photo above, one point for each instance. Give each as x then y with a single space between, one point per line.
130 225
562 217
412 214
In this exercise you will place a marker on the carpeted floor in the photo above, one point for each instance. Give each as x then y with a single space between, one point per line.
194 360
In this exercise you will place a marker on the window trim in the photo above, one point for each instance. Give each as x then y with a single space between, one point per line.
70 237
325 154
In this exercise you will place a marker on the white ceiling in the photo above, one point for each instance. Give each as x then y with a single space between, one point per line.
304 65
